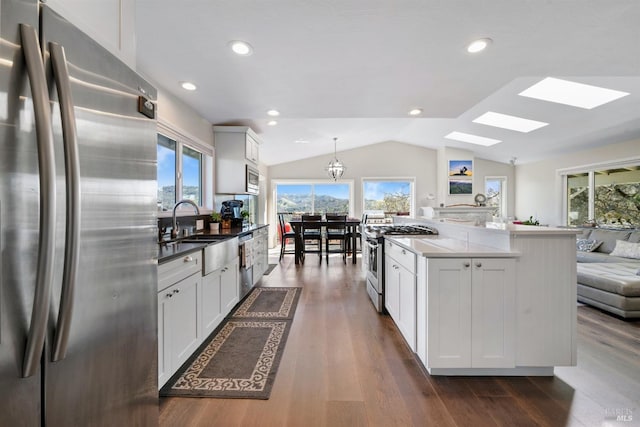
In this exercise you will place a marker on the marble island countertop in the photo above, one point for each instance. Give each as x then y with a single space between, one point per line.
443 247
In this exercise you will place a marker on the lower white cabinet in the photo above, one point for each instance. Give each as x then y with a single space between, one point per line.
220 293
179 331
229 286
470 315
400 290
260 253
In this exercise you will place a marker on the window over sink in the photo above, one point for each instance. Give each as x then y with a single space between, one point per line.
182 166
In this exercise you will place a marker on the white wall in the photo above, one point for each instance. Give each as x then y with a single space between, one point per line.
539 186
483 168
383 160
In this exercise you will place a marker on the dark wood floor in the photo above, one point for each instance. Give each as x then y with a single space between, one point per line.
345 365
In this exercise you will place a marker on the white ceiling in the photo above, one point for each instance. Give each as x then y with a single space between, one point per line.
354 68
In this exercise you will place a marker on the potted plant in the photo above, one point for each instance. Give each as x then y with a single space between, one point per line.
214 225
245 216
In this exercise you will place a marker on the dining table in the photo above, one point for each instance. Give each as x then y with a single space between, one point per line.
351 228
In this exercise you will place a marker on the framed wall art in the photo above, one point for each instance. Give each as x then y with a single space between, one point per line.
460 187
461 168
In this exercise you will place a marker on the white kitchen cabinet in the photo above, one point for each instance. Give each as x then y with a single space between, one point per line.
220 293
470 313
110 22
179 312
260 253
251 149
400 290
178 325
229 286
211 305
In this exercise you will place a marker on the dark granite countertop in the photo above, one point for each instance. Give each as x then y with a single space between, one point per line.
168 251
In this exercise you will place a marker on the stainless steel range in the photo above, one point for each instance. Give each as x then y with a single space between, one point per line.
373 254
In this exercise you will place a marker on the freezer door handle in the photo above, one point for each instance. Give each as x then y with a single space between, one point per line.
72 174
47 222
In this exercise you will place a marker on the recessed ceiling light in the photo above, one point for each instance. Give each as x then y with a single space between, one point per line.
472 139
273 113
571 93
272 122
415 112
301 141
241 48
188 86
478 45
509 122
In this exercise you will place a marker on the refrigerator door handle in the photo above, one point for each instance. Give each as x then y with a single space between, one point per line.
72 171
47 222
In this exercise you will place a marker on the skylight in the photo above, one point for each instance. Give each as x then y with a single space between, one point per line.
472 139
505 121
572 93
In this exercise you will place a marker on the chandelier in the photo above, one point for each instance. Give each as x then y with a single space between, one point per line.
335 169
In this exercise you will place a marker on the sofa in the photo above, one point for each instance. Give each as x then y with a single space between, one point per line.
607 280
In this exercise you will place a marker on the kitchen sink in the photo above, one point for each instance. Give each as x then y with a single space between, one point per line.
215 255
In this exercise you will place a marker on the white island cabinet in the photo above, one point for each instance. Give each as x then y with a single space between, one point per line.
492 301
400 283
470 313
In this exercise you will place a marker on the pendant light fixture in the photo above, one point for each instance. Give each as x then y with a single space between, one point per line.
335 169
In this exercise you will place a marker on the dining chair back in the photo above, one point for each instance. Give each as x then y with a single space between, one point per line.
311 230
284 236
336 235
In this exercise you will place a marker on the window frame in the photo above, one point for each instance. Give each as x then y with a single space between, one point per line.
589 169
183 139
410 179
505 189
276 182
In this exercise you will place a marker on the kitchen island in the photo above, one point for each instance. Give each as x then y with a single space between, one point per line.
485 300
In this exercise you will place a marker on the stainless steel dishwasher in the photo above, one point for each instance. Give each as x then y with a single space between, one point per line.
245 244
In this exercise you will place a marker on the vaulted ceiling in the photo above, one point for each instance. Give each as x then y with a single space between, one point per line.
353 69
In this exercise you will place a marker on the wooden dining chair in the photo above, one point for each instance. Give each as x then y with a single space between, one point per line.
336 235
311 237
284 236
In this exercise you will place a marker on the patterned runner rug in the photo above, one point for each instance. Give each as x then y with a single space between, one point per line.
241 357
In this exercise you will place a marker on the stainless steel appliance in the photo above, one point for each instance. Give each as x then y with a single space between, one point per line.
78 280
373 251
246 263
253 180
231 210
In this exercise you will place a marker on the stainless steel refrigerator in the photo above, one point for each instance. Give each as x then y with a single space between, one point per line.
78 305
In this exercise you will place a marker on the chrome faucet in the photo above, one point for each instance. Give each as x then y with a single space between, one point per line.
174 229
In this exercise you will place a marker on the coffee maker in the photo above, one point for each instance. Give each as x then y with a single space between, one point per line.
231 210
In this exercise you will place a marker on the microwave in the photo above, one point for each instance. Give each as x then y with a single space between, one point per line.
253 180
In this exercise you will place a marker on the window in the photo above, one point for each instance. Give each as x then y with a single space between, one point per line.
192 175
181 168
393 196
577 198
606 194
166 173
313 197
495 189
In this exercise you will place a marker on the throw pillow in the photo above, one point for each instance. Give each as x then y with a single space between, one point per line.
586 245
626 249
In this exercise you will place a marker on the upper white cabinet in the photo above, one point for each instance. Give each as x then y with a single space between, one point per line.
251 149
109 22
470 313
237 154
